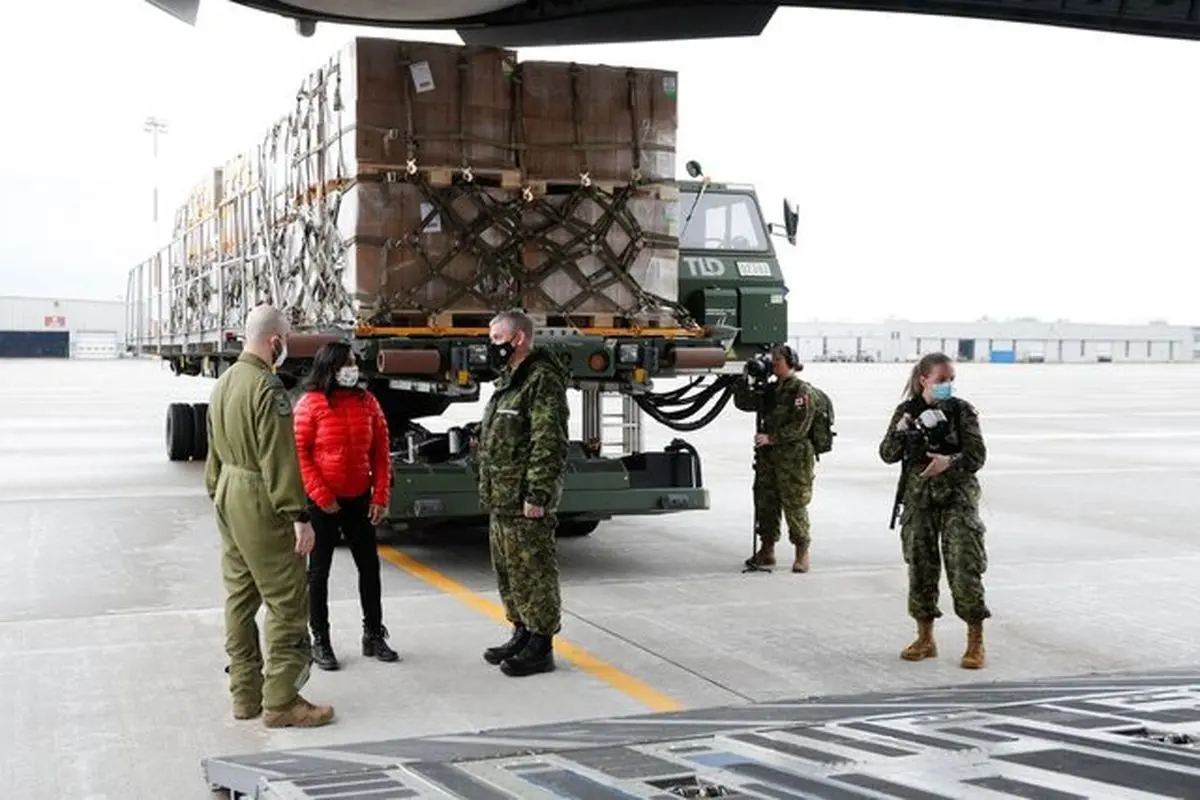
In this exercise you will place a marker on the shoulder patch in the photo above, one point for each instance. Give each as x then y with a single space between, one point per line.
279 395
283 403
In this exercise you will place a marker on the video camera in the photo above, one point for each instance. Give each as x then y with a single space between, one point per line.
760 367
926 434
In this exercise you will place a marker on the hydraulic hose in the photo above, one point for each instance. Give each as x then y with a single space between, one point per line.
685 407
659 407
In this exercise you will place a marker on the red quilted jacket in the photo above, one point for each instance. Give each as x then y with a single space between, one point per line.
343 446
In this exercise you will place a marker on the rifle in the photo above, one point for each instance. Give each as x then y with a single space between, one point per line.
896 505
911 443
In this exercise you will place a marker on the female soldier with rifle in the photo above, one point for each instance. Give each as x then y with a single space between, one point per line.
938 440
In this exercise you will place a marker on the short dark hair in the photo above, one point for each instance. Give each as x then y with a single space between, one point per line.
328 360
515 321
787 355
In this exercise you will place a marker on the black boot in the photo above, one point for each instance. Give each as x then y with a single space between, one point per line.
373 644
537 656
322 651
514 645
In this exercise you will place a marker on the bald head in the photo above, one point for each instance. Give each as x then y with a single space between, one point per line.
264 322
266 332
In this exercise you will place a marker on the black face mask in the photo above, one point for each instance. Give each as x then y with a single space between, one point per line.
499 354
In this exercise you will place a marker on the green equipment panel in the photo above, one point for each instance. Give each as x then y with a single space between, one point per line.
593 487
762 314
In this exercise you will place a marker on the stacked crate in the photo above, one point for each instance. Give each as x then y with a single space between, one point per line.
424 184
239 177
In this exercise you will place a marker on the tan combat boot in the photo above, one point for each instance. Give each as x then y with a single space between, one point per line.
765 557
924 646
246 710
801 563
975 656
299 714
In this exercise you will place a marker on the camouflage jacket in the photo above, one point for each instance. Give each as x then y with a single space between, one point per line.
964 441
523 436
250 427
787 412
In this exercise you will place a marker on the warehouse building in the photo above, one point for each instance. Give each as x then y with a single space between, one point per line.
1022 340
51 327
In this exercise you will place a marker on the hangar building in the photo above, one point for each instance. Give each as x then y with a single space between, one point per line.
51 327
995 340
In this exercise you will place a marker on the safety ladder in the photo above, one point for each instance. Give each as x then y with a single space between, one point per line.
614 420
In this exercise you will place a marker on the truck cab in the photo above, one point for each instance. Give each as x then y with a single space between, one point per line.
729 273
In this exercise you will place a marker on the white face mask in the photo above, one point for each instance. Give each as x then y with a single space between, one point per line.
282 357
347 376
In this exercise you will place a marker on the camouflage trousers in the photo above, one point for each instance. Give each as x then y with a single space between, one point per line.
526 564
953 536
783 484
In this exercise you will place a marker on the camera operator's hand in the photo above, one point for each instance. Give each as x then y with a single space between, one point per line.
937 465
904 423
761 439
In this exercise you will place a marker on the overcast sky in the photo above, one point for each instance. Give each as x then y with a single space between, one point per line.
943 168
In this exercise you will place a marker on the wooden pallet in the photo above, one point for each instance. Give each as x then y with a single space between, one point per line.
651 191
614 322
463 320
441 177
510 180
480 320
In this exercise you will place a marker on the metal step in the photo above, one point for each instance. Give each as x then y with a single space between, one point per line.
613 419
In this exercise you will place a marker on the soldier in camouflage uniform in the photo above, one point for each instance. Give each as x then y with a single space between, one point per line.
253 478
940 519
784 459
522 456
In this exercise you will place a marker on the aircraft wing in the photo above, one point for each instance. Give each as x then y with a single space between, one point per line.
529 23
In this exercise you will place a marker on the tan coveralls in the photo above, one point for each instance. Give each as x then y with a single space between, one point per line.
253 477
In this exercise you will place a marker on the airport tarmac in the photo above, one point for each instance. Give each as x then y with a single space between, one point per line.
111 637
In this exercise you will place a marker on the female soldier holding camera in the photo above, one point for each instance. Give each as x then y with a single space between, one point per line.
938 439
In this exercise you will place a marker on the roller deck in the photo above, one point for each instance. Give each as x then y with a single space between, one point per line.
1127 735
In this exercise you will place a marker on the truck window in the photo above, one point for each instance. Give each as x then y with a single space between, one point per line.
721 221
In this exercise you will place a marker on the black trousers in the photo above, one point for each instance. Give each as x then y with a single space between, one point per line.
352 522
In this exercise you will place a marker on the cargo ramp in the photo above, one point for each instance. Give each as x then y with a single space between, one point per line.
1126 735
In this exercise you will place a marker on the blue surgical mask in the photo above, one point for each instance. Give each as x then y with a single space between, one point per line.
942 391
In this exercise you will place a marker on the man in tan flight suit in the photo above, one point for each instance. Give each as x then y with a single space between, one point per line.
253 477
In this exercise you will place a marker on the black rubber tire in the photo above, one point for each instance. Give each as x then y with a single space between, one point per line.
574 527
180 432
199 431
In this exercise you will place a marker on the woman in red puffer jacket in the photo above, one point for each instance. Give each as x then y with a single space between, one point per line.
342 442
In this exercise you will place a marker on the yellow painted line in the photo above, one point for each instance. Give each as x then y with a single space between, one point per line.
621 681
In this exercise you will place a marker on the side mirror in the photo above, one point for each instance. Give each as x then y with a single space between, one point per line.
693 169
791 221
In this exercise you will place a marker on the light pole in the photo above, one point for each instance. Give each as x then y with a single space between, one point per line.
155 126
